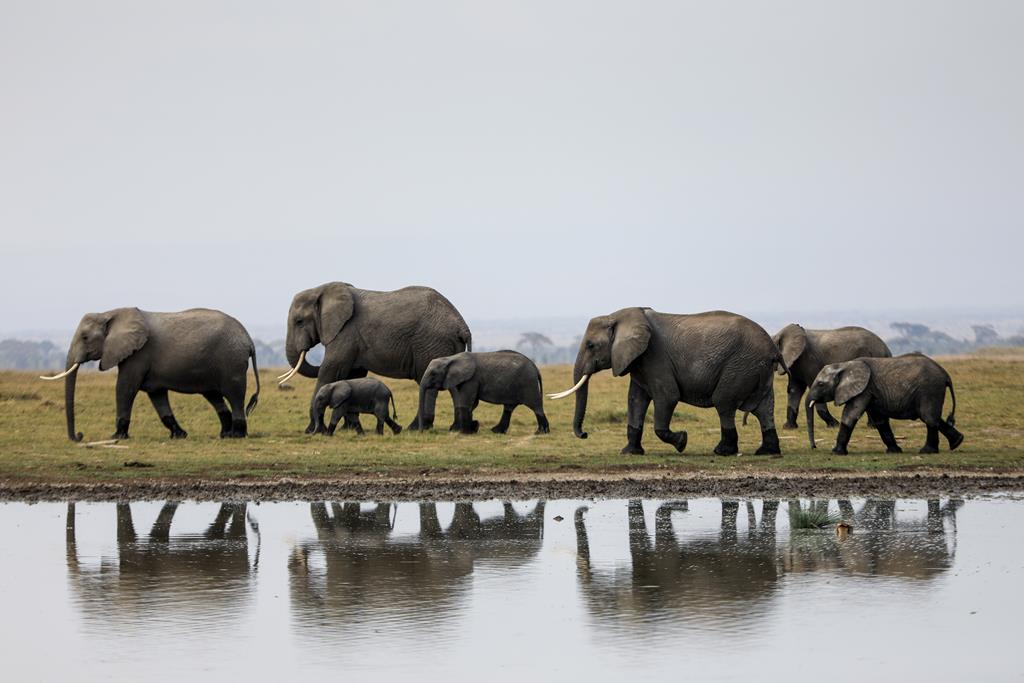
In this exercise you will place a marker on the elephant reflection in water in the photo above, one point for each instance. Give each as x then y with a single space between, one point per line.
881 544
358 571
726 580
197 575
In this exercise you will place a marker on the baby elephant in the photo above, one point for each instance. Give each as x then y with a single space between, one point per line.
350 397
505 377
908 387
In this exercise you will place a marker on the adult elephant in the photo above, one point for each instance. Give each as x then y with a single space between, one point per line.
198 351
806 352
716 359
394 334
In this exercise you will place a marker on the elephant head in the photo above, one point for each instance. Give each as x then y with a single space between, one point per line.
611 341
110 338
792 342
316 316
838 382
446 372
339 393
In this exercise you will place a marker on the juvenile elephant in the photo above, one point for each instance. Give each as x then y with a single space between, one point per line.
908 387
198 351
394 334
350 397
716 359
507 378
806 352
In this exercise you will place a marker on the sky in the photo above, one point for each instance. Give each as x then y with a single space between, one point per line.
527 159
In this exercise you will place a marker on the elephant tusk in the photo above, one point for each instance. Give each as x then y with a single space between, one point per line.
555 397
810 404
291 373
61 375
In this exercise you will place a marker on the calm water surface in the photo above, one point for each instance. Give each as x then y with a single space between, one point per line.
701 589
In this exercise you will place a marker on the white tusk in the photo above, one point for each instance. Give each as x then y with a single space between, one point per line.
810 404
291 373
61 375
555 397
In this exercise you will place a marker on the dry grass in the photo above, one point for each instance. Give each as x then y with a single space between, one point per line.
34 446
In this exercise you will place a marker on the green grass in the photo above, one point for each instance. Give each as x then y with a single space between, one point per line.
34 446
811 518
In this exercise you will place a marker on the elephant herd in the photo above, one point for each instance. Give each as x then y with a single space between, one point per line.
717 360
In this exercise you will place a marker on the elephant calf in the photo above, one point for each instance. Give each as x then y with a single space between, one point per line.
507 378
908 387
348 398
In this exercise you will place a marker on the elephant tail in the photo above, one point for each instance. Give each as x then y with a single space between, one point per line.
255 371
952 414
467 338
394 408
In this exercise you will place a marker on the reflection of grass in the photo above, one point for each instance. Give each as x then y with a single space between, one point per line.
812 518
34 445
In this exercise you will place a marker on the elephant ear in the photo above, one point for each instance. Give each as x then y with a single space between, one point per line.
853 381
459 370
127 332
336 305
792 342
631 334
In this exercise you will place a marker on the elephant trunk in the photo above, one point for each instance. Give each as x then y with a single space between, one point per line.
810 422
292 352
69 400
427 404
581 401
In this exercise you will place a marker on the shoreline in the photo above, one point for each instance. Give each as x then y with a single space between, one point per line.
523 486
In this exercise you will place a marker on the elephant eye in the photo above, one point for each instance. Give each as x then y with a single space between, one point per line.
590 344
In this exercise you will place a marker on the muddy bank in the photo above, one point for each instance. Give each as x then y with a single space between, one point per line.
527 486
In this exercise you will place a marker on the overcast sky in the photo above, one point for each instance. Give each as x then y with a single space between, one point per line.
525 158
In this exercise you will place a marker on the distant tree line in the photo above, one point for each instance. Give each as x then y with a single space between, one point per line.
16 354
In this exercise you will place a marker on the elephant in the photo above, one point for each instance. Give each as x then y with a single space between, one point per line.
806 352
715 359
206 577
198 351
349 398
507 378
907 387
395 334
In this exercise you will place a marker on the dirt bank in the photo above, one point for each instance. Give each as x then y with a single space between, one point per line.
528 486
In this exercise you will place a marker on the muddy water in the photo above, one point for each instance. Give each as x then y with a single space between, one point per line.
701 589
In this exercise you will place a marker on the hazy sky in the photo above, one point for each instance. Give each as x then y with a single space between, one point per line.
525 158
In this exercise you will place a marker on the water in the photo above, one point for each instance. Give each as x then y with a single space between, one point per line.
650 590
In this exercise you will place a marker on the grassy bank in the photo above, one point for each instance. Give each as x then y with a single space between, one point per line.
34 446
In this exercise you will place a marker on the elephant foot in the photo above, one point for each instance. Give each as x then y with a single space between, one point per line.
542 430
397 429
831 422
311 428
893 449
955 440
119 435
499 428
428 424
726 449
729 445
472 428
676 439
790 425
769 443
928 450
179 433
840 450
631 449
235 435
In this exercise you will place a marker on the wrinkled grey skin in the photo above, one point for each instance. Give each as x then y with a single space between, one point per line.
715 359
806 352
350 397
908 387
507 378
394 334
198 351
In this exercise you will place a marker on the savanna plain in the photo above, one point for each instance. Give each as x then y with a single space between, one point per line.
34 447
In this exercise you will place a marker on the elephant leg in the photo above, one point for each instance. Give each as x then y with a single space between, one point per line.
823 413
931 442
542 421
953 436
662 425
394 426
336 415
357 426
382 418
881 423
161 529
464 417
163 409
730 441
636 409
216 400
236 399
765 414
506 417
769 513
851 413
127 389
794 391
